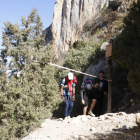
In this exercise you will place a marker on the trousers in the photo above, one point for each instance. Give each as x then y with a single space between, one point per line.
68 105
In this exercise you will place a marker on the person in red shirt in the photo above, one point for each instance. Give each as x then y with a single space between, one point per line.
68 93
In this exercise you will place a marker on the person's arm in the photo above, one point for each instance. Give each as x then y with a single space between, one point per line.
82 96
73 91
82 93
62 86
63 98
62 90
105 87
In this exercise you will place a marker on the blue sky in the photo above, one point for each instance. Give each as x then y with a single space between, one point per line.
13 10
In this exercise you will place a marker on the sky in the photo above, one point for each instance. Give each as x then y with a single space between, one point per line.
13 10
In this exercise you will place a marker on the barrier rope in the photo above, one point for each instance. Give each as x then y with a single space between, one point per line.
67 69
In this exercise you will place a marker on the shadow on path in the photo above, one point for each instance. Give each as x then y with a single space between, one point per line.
116 134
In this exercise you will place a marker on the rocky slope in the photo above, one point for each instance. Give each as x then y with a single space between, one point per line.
71 15
117 126
69 19
48 33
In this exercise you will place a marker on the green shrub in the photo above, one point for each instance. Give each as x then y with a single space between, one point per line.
126 48
28 99
79 58
87 26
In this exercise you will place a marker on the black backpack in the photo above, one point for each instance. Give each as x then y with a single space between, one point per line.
87 84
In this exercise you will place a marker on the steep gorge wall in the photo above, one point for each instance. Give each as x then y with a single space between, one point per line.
68 21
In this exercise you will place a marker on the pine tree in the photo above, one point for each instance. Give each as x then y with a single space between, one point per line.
126 47
29 95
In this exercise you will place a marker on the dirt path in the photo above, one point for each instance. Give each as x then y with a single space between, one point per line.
112 126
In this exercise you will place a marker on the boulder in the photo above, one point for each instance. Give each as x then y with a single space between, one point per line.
138 119
121 113
81 138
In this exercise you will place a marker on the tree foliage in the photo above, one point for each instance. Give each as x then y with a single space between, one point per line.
29 96
80 57
126 46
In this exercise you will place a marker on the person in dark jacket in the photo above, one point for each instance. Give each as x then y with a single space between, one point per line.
89 93
103 89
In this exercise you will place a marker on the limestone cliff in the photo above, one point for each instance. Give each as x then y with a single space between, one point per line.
69 18
48 33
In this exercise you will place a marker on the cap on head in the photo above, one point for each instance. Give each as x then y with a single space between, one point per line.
70 76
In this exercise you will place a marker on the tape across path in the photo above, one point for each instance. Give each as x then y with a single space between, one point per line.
68 69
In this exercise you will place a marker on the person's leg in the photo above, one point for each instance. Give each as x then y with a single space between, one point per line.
101 106
95 109
98 107
66 106
100 100
91 107
71 103
85 105
92 104
85 110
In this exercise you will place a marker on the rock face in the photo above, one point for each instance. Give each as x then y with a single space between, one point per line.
48 34
69 18
95 69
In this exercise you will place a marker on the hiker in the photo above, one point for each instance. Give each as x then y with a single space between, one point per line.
89 92
103 89
68 93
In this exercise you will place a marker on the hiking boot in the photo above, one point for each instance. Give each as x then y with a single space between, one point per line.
91 114
65 118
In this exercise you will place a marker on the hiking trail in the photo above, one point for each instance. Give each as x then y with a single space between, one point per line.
110 126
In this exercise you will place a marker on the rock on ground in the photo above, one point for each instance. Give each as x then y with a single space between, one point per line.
108 126
138 119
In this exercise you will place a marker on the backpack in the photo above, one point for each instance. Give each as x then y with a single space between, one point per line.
89 81
69 83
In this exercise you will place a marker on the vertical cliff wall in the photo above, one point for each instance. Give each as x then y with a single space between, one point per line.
69 18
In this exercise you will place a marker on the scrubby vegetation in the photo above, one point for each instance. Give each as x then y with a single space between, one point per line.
81 56
28 95
109 21
126 46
